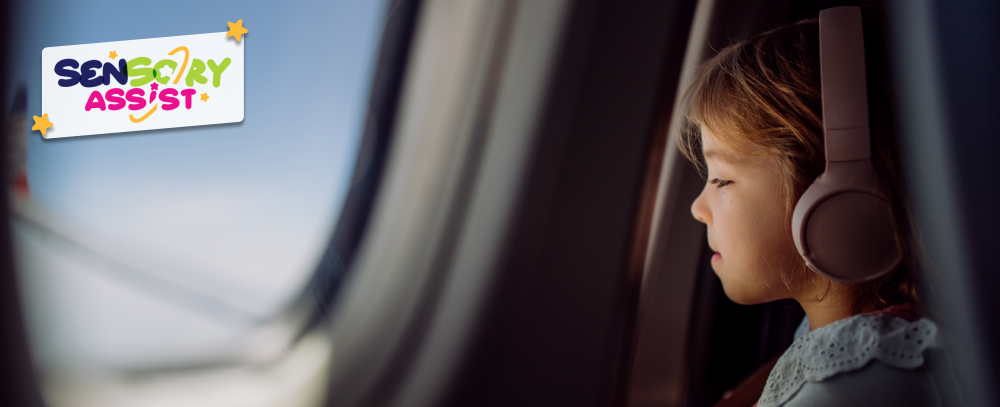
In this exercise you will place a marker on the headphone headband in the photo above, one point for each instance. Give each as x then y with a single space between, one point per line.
845 92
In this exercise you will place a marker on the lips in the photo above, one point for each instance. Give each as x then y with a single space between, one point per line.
717 256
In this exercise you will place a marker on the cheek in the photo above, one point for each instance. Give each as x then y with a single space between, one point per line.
756 250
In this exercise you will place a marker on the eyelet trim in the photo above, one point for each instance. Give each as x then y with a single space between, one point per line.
847 345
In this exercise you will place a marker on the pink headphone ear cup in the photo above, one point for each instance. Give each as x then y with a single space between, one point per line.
842 224
850 238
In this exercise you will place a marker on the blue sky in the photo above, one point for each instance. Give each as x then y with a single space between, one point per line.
242 207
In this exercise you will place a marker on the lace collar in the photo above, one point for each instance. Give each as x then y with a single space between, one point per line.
847 345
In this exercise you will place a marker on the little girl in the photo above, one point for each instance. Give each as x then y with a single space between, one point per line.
757 125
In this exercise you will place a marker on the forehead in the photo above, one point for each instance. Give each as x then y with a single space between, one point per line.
715 150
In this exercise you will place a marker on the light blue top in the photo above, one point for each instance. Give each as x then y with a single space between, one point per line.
876 360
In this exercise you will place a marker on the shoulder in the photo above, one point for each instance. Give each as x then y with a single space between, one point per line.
876 384
881 350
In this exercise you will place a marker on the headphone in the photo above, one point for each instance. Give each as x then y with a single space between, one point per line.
842 224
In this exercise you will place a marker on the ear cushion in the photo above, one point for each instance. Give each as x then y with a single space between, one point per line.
849 237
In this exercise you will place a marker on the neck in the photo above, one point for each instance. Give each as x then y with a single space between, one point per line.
829 302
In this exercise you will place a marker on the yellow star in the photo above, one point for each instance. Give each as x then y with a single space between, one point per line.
42 123
236 30
113 55
204 97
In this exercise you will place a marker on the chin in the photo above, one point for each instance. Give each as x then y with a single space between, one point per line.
743 299
743 295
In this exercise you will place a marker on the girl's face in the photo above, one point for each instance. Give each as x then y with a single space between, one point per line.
743 206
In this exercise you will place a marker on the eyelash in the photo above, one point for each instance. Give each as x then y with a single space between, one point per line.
719 183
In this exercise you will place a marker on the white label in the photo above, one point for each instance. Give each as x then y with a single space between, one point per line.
83 93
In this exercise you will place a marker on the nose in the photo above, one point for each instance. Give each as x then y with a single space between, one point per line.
700 209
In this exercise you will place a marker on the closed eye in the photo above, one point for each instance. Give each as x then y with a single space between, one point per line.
720 182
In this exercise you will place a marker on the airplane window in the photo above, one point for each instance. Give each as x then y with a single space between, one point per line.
171 248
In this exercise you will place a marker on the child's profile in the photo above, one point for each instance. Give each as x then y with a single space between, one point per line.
756 129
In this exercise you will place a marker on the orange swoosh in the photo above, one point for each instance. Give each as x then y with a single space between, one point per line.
134 120
183 65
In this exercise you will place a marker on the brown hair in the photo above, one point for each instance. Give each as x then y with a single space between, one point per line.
762 96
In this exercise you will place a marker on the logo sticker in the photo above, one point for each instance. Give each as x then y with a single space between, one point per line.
156 83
